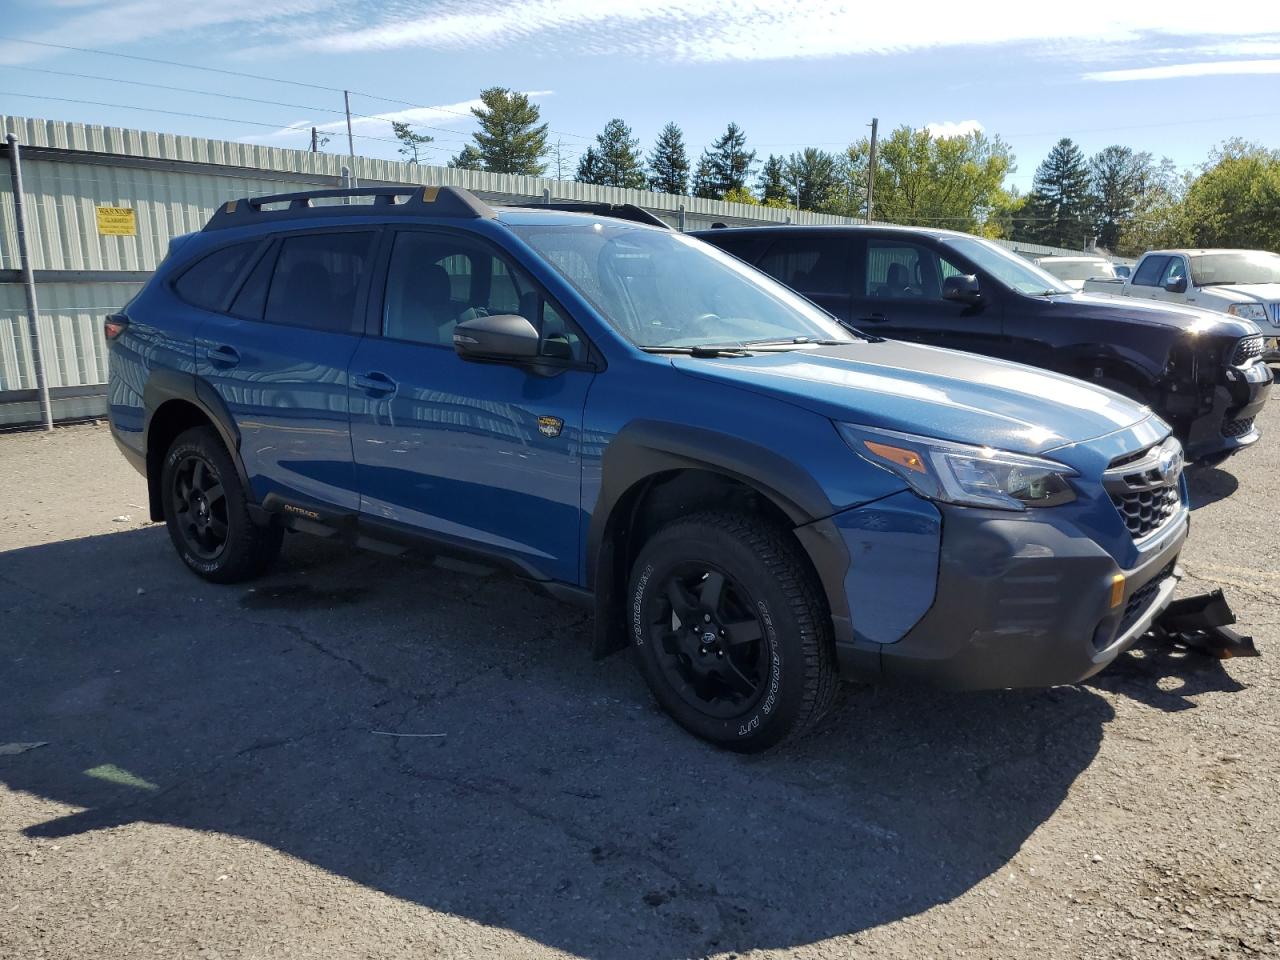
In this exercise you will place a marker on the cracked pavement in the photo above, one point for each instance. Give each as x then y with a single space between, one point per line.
366 757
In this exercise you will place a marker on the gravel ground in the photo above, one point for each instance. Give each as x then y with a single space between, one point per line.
365 757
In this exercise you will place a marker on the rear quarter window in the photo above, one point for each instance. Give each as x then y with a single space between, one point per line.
209 281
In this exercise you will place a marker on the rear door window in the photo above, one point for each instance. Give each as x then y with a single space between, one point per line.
810 263
317 280
209 281
1149 272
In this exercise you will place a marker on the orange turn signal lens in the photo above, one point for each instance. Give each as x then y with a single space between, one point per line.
1117 590
899 455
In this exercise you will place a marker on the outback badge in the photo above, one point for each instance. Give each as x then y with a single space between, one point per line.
550 426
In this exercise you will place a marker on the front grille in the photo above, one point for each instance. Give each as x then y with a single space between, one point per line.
1145 489
1142 598
1146 512
1247 349
1237 428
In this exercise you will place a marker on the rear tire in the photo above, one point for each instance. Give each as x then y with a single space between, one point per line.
730 631
207 511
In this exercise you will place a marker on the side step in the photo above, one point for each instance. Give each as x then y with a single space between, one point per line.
1203 623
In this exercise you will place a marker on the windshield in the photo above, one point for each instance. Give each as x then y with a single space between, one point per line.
1078 269
1008 267
661 289
1249 266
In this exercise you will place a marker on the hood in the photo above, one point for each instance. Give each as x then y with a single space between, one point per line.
1156 313
926 390
1243 292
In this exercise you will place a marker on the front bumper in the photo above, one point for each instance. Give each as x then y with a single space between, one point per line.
1022 602
1229 425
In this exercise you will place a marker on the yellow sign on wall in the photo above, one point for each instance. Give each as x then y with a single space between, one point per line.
117 221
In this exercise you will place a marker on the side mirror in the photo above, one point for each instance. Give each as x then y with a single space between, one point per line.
500 337
1177 286
963 289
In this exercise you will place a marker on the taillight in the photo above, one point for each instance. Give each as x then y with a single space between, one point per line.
114 325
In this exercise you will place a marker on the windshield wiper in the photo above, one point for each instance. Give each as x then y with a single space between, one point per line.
709 350
793 341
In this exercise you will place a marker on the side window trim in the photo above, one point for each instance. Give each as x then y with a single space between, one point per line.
376 304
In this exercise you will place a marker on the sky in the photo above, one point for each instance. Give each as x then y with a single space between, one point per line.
1173 80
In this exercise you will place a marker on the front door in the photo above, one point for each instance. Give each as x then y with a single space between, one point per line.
485 455
278 357
900 296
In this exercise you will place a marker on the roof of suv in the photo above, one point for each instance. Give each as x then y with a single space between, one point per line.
411 201
821 228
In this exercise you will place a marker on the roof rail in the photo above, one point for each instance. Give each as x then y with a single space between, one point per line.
618 211
419 201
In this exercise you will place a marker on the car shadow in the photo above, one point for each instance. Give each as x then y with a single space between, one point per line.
1165 675
447 739
1209 485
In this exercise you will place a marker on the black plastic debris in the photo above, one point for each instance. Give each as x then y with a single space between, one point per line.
1203 623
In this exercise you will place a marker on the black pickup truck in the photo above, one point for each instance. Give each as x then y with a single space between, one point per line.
1201 371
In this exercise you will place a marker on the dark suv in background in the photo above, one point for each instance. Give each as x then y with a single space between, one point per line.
1201 371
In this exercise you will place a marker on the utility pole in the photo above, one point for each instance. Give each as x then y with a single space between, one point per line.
351 143
871 170
315 141
29 283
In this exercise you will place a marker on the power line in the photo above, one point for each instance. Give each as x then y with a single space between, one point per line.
177 113
250 76
215 93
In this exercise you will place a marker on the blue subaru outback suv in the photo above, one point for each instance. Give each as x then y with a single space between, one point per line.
752 497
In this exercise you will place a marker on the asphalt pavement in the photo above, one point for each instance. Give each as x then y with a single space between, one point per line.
361 756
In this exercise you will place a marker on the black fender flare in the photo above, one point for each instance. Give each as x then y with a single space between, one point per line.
165 385
645 449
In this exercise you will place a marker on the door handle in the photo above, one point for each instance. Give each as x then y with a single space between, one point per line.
376 383
873 318
224 355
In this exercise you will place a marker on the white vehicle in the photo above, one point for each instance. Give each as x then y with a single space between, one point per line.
1243 283
1075 271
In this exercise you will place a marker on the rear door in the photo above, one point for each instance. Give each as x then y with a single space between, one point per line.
278 357
900 296
818 264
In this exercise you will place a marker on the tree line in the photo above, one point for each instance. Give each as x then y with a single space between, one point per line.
1121 200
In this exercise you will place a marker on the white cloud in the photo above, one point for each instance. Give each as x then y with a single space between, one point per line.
943 129
719 30
1210 68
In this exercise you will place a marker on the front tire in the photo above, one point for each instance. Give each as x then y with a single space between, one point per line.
207 511
730 630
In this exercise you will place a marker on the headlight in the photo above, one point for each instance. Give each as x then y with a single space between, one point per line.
1248 311
958 473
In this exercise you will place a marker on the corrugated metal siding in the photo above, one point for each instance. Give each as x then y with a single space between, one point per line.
71 317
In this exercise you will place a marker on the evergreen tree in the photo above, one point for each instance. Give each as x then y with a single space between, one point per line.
724 166
1118 177
1057 209
589 167
468 158
669 162
813 177
412 145
616 159
510 139
772 182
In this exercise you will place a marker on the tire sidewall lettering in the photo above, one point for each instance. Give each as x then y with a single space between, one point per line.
770 701
637 605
